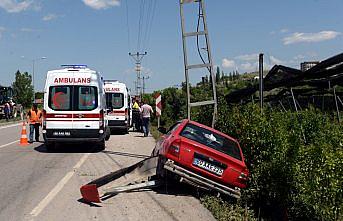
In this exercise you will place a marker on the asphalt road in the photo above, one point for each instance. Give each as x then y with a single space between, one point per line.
37 185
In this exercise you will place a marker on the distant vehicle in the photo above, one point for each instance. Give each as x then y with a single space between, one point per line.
6 95
197 152
118 101
74 107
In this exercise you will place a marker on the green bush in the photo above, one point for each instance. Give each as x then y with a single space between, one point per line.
295 161
224 211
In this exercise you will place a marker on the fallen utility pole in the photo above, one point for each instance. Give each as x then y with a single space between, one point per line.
145 175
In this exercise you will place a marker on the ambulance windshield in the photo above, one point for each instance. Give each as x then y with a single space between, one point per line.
73 98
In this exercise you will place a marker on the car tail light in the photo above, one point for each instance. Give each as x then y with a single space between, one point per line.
243 177
174 148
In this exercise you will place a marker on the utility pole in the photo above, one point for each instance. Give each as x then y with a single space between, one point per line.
138 57
207 62
144 78
34 60
261 80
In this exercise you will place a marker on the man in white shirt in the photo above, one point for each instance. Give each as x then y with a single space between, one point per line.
146 110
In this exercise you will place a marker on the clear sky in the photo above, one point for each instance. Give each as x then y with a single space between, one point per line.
98 33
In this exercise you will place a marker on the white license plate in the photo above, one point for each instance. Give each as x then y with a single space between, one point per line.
61 133
207 166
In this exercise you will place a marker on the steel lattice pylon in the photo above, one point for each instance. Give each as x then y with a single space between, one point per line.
206 64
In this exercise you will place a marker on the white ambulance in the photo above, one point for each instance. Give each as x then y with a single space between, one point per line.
118 102
74 107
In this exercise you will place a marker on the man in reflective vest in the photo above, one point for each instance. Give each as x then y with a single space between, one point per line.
34 119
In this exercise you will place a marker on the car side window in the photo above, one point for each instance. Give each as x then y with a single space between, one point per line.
173 128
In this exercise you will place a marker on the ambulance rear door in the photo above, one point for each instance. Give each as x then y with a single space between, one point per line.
116 106
87 100
59 104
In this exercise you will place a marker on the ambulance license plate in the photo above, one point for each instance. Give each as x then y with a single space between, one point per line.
61 133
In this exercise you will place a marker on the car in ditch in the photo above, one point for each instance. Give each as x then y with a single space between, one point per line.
202 156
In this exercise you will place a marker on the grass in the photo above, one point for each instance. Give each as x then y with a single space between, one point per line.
154 132
223 210
10 121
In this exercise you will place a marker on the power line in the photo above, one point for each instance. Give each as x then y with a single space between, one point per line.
146 25
141 19
150 23
127 24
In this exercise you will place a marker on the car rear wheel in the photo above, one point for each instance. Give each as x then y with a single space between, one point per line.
161 172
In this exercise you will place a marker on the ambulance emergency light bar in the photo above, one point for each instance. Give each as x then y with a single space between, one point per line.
110 81
74 66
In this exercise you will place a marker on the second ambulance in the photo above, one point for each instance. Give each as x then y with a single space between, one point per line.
74 107
118 102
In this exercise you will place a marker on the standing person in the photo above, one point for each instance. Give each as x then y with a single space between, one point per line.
135 104
141 117
135 114
7 111
34 119
146 110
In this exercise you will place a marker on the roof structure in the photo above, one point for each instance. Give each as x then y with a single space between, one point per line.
314 81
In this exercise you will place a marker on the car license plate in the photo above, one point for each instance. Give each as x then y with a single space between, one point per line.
61 133
207 166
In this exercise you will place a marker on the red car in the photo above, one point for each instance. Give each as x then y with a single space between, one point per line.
203 156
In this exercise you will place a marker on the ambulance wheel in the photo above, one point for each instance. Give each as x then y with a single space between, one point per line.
50 146
102 145
108 134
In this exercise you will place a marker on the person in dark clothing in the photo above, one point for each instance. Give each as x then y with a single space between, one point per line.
7 111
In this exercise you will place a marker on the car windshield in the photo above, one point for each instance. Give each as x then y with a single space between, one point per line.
212 140
115 100
73 98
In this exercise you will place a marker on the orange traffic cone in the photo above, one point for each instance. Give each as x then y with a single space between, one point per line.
23 138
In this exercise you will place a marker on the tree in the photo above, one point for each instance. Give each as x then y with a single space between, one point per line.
23 89
218 75
223 77
206 79
39 95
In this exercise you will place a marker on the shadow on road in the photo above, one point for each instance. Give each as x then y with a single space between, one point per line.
140 156
88 203
118 132
175 188
70 148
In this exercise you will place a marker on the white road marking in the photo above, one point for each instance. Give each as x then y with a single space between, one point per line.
41 206
5 145
11 125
